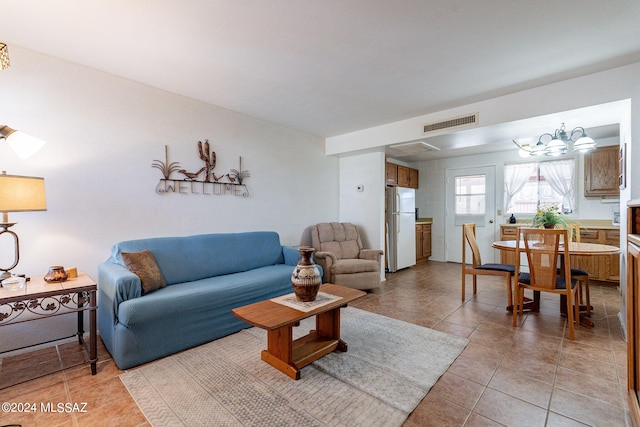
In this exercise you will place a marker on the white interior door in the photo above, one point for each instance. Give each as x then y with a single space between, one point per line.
470 198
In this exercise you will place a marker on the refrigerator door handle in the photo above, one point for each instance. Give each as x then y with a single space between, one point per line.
397 211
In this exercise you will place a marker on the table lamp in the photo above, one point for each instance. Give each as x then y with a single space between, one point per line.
18 194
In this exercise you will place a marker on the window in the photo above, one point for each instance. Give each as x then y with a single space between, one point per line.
470 195
528 186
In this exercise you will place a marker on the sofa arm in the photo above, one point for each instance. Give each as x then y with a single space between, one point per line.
370 254
118 283
291 255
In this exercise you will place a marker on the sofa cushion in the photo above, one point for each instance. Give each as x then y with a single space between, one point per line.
341 239
349 266
190 258
144 265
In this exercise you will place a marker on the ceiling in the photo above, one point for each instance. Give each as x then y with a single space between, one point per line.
333 67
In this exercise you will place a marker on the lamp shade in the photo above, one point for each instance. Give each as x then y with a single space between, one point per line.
21 194
585 143
24 145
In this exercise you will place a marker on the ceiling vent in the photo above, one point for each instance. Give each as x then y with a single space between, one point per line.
410 148
454 123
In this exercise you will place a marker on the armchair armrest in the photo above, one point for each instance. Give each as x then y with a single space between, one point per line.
325 260
370 254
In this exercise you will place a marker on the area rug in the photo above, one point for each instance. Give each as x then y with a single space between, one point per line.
389 367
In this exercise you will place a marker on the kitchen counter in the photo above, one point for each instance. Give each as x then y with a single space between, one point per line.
424 221
602 224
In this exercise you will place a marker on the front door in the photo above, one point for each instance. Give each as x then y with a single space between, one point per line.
470 198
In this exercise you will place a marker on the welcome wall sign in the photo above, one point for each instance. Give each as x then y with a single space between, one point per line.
203 181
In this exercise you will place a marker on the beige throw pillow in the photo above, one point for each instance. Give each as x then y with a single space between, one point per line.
143 264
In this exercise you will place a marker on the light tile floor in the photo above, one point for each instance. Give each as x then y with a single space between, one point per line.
529 376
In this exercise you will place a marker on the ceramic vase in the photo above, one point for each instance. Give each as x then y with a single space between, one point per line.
56 274
306 278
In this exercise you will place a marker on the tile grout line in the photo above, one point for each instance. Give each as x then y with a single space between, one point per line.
504 355
555 370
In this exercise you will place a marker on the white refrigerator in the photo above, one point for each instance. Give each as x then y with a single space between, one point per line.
401 228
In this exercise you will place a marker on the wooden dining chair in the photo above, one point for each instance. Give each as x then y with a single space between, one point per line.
580 275
543 250
477 268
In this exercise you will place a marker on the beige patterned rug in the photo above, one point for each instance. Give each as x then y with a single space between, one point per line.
388 369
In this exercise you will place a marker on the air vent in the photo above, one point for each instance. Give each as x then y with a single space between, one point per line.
456 122
414 147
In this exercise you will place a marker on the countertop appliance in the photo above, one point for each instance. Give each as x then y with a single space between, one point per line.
401 228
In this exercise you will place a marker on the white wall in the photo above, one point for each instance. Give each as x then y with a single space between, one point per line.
364 208
102 135
630 126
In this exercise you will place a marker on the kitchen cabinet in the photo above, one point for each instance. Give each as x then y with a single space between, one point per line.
605 268
423 241
633 310
601 172
401 176
392 174
413 178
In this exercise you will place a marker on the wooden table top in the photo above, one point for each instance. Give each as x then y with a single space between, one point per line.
575 248
38 288
272 315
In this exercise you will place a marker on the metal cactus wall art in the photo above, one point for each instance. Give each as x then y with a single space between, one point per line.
209 183
209 159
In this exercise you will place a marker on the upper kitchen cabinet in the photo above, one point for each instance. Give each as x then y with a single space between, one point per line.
392 174
413 178
401 176
601 172
404 177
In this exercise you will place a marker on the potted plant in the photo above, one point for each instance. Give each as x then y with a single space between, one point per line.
549 217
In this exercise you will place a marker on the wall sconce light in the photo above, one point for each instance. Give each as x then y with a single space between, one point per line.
18 194
4 56
23 144
558 143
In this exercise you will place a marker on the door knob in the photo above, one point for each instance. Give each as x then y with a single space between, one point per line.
490 221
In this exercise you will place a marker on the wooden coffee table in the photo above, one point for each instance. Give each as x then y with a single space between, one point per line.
289 355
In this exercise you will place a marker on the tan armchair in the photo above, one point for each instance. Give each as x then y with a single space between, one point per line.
340 254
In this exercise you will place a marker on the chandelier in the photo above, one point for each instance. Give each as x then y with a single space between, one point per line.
558 143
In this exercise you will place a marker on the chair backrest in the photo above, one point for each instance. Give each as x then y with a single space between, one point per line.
574 230
469 238
543 248
340 238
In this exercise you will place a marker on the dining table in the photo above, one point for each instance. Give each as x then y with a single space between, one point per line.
575 249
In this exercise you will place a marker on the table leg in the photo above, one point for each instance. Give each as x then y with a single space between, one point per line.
530 305
328 326
93 338
279 352
289 356
80 318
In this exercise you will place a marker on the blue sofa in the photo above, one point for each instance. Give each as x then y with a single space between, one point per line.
206 276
